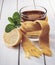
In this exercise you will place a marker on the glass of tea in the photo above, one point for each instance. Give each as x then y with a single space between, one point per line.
31 13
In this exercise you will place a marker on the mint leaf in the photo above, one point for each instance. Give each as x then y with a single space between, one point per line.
16 16
9 27
10 20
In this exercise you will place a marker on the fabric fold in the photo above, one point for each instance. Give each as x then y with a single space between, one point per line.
39 25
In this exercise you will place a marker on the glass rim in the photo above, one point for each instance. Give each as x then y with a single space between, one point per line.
34 7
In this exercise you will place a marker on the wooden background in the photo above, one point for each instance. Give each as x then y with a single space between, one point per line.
9 56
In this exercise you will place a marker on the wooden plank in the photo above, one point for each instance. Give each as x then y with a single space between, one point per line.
23 59
49 5
50 60
1 6
8 56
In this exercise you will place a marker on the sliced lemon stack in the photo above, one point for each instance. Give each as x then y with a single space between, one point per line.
12 38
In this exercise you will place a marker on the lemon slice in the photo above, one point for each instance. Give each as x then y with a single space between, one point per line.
13 38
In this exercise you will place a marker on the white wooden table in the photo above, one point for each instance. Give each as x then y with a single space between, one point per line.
9 56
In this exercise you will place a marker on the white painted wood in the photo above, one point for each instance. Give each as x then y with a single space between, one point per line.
52 5
8 56
0 4
22 3
50 60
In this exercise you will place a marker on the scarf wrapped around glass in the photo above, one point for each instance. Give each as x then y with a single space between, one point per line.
35 26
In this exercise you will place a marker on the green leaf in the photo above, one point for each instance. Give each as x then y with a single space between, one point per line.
9 27
17 21
16 16
10 20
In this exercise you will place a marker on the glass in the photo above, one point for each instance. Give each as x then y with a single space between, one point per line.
31 13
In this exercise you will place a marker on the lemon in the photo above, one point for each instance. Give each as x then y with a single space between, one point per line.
12 38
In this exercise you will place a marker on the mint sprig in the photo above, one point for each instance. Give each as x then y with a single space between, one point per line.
14 22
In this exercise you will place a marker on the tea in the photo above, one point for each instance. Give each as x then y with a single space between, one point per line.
33 15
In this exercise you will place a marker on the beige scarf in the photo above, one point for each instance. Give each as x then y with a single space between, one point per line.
30 49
